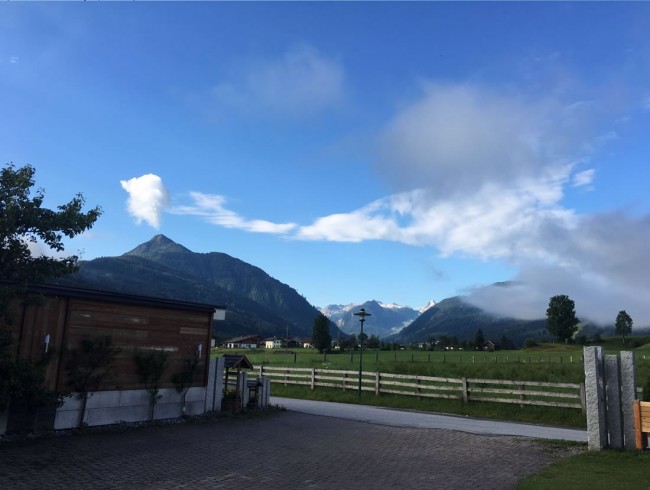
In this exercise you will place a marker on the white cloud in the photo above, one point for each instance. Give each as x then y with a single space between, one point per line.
211 208
297 84
601 265
584 178
482 174
148 197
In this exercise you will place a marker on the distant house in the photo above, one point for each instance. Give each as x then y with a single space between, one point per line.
294 342
306 344
273 343
247 342
488 345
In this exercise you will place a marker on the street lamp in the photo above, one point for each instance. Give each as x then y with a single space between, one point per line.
362 318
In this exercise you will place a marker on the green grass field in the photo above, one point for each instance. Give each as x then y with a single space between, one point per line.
555 363
604 470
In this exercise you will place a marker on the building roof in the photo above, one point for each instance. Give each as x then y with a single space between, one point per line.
237 361
113 297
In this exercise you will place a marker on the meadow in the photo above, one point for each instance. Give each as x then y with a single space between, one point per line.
553 363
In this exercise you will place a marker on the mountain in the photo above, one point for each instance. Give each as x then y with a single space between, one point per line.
256 303
385 319
454 317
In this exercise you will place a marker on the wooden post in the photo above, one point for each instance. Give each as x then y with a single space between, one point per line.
313 378
377 383
465 389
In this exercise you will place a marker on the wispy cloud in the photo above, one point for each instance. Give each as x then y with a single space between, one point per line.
148 197
211 208
483 174
584 178
297 84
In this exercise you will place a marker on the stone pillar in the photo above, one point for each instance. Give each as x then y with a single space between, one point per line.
242 380
266 388
214 391
263 392
628 395
613 397
595 397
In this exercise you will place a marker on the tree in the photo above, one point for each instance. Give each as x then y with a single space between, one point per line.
561 320
25 223
623 324
320 337
150 367
479 339
183 379
373 342
88 366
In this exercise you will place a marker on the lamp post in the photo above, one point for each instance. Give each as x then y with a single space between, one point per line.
362 318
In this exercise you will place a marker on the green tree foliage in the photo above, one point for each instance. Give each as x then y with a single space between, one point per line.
623 324
479 339
151 366
25 223
89 366
561 320
183 379
373 342
320 337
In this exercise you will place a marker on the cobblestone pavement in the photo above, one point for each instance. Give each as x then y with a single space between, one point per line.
282 450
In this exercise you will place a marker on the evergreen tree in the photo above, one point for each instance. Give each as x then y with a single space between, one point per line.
479 339
320 337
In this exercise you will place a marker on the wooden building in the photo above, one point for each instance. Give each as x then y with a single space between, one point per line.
62 317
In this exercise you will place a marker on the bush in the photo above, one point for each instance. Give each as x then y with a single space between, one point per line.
530 343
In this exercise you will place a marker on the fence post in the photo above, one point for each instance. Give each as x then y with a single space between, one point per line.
595 398
613 398
628 396
465 389
345 381
313 378
377 383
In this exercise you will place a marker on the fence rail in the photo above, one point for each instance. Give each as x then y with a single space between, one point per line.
565 395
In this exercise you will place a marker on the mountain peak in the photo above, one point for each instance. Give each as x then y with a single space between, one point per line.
428 306
158 244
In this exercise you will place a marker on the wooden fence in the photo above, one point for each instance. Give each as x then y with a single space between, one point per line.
565 395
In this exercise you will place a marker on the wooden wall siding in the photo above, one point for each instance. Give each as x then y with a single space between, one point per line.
69 320
144 328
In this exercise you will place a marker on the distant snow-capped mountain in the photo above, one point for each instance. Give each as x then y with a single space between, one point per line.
430 304
385 318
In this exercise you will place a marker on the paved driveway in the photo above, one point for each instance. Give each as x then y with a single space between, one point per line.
424 420
282 450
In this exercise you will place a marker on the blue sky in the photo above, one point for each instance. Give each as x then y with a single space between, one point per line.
392 151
